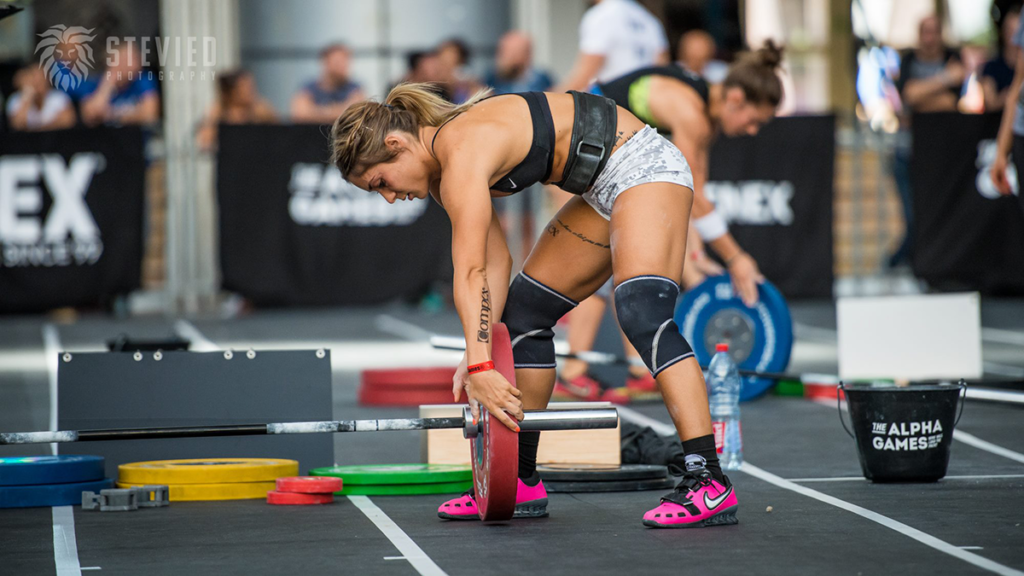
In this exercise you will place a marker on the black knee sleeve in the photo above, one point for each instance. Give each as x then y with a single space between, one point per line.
531 311
644 306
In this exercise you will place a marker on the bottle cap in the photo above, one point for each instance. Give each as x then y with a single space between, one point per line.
721 347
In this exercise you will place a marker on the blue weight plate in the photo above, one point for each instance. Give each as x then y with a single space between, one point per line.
63 469
49 495
759 338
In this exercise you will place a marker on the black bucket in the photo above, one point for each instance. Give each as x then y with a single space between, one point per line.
903 433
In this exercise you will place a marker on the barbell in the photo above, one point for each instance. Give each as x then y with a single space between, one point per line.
494 448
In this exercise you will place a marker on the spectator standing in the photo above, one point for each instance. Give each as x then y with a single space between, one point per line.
125 95
697 52
322 100
513 67
422 66
238 102
931 75
616 37
36 105
453 61
997 73
930 80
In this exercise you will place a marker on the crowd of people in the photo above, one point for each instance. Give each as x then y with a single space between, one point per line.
930 76
121 96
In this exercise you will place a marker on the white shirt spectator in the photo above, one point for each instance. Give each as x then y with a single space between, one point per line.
54 103
625 33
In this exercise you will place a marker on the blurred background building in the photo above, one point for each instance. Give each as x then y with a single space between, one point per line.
287 63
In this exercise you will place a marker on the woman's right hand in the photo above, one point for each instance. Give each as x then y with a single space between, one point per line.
493 391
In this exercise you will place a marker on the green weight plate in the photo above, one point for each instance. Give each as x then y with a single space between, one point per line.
378 474
406 489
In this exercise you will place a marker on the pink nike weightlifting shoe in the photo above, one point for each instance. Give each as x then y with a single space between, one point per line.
698 501
531 502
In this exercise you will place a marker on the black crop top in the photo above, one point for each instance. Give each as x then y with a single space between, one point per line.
536 167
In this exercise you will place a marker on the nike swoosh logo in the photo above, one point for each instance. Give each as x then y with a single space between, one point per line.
712 503
512 183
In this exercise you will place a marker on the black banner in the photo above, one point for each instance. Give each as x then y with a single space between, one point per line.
70 217
293 232
966 236
775 189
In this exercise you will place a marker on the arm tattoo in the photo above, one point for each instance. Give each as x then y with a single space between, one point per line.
580 236
484 329
552 230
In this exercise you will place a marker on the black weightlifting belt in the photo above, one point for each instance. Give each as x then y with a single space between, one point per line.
593 136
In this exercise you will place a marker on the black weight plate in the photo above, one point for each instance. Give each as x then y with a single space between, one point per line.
600 472
623 486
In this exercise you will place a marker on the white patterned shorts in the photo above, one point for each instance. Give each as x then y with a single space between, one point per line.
646 157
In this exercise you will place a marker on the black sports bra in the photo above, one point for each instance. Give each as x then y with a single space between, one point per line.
536 167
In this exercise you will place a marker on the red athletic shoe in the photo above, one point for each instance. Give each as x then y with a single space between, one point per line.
582 387
641 384
698 501
618 396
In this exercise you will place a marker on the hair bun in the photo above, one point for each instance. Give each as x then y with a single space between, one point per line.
770 54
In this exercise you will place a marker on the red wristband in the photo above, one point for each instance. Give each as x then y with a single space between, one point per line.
481 367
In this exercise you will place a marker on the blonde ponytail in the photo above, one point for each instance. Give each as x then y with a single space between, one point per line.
357 137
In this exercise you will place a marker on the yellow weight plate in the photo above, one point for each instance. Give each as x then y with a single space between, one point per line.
210 492
207 471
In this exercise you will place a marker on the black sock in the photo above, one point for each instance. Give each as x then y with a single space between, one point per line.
528 442
704 447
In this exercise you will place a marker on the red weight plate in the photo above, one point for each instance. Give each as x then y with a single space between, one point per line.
495 451
293 499
309 484
440 376
405 396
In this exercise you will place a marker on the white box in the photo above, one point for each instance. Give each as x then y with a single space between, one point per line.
910 337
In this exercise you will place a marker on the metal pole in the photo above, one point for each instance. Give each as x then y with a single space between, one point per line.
587 418
189 92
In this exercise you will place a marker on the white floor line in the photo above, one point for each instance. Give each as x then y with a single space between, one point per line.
199 343
413 553
65 547
973 440
1001 336
914 533
863 479
51 347
1002 369
406 330
995 395
908 531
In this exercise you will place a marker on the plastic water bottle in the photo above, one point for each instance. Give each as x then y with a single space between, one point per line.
724 399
